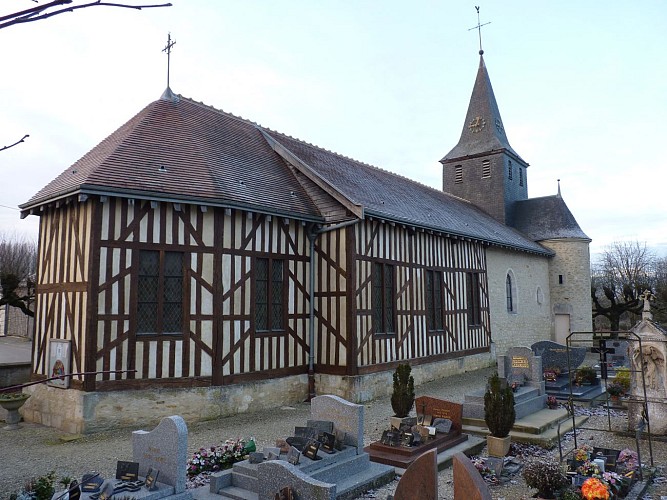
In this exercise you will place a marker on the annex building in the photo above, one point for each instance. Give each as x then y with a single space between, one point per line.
204 265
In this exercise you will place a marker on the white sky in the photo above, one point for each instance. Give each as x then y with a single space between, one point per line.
580 86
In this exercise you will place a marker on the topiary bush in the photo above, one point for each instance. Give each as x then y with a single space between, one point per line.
499 413
403 397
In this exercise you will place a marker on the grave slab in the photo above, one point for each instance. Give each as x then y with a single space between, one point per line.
348 417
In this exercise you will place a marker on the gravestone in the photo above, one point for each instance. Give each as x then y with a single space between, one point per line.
420 480
648 357
468 483
165 449
348 417
440 409
554 355
521 365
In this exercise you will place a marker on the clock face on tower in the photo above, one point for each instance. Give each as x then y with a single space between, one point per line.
477 124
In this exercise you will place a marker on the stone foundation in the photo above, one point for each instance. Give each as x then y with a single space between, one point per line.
79 412
362 388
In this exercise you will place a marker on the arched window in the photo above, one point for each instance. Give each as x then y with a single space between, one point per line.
509 291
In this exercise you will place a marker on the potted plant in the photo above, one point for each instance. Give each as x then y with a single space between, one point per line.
552 402
586 375
615 390
545 476
499 415
403 397
12 402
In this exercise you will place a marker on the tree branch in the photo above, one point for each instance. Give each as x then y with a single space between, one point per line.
38 13
17 142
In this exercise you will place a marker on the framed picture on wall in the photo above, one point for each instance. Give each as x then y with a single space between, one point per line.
60 352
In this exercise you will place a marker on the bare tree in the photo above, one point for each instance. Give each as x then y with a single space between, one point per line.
623 272
57 7
18 261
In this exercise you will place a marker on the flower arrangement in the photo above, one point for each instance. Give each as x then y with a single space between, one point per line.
594 489
583 453
623 378
628 459
615 390
487 474
614 481
551 374
546 476
585 375
588 468
207 460
552 402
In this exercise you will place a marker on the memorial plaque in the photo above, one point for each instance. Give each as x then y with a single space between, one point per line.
293 456
256 457
90 483
441 409
327 441
306 432
424 419
321 425
272 456
283 445
127 471
310 451
151 478
442 425
407 438
520 362
74 490
340 440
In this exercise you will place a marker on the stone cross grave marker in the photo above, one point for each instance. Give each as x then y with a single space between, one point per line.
164 448
346 417
522 366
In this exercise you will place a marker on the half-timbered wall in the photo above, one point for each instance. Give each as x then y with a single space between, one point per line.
412 253
62 280
331 302
218 343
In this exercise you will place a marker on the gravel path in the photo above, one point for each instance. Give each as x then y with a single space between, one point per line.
34 450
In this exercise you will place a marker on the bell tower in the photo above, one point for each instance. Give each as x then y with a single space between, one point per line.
483 168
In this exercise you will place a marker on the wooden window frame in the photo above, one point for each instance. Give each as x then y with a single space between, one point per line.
160 300
271 328
474 299
435 302
383 319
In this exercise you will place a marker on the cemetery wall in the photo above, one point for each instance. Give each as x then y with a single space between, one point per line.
531 319
79 412
362 388
573 295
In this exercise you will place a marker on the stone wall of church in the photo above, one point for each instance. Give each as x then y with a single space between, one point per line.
570 282
531 319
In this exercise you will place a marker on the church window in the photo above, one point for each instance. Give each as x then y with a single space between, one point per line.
383 298
486 169
474 298
509 170
509 293
560 279
520 176
269 295
434 301
458 174
160 292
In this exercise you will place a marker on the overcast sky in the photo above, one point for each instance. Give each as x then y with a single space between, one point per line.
580 86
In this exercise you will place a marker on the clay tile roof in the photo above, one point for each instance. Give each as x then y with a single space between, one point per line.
177 148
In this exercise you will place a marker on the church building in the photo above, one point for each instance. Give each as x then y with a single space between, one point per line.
197 263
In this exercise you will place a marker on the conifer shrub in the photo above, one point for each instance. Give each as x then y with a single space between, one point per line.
499 413
403 397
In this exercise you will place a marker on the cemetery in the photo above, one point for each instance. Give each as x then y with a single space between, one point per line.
406 445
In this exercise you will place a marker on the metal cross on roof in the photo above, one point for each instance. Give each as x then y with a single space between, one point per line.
479 30
167 49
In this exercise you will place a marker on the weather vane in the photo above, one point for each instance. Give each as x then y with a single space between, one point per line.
167 49
479 30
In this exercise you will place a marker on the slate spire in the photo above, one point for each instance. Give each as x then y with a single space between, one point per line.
483 130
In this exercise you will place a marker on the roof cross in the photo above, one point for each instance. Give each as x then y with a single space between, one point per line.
167 49
479 30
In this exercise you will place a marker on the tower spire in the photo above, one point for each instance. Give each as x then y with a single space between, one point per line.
479 30
167 49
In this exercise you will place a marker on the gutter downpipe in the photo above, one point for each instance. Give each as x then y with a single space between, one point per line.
313 233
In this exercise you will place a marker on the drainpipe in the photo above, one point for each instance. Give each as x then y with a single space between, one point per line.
312 234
